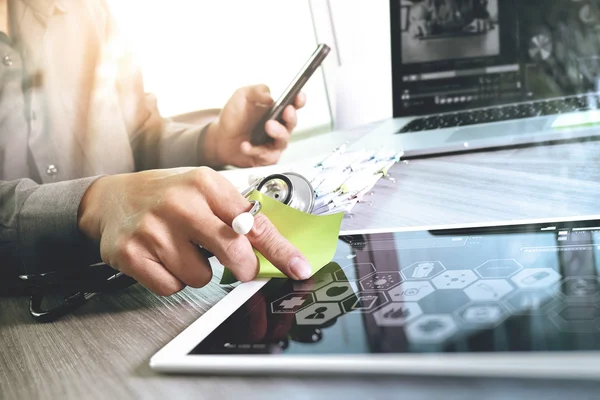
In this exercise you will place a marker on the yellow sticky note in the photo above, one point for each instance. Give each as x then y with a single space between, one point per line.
316 236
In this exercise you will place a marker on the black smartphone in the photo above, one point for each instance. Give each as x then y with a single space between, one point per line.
259 136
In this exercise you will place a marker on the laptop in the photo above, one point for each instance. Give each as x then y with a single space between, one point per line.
482 74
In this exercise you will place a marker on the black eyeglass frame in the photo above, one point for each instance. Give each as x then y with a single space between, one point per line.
77 286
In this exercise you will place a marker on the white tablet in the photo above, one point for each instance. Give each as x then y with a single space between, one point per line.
512 299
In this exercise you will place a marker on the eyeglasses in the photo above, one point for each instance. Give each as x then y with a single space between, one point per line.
73 288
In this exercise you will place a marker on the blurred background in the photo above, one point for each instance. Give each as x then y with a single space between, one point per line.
194 54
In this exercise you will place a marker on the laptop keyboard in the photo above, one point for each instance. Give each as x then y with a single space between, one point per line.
502 113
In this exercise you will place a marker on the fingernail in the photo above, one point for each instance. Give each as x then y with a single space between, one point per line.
300 268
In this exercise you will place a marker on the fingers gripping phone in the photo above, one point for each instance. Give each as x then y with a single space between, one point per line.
259 136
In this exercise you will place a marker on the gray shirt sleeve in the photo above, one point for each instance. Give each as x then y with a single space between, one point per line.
173 145
38 228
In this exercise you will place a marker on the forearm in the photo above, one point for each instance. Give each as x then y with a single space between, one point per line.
38 228
175 145
163 143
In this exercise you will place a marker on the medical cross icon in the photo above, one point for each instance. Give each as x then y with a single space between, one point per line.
293 302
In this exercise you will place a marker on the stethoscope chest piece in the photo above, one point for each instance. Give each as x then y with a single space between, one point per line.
289 188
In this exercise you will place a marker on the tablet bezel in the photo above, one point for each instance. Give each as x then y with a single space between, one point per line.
175 357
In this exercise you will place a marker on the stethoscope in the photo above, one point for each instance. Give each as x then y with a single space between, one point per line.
289 188
80 285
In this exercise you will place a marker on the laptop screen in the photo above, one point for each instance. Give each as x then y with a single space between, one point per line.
451 55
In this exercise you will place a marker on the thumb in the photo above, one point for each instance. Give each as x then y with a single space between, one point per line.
258 94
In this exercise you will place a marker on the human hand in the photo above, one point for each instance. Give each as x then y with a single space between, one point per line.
150 224
227 140
253 323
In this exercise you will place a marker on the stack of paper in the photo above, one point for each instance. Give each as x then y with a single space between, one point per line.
340 180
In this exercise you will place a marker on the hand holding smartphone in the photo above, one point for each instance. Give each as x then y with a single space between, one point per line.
259 136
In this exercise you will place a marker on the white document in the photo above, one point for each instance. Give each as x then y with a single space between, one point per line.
339 179
240 177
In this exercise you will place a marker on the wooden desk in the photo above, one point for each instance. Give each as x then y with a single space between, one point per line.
102 351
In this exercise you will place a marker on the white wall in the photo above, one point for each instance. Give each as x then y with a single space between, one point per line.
362 82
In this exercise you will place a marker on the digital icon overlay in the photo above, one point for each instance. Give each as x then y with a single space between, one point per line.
489 289
423 270
380 281
318 313
397 314
335 291
487 314
365 301
498 268
411 291
536 278
292 303
454 279
432 328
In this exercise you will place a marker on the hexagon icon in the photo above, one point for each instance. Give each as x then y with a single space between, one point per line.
536 278
498 268
483 314
431 329
580 288
365 302
454 279
530 302
336 291
354 286
318 313
489 289
363 269
423 270
292 303
316 282
576 318
397 314
411 291
380 281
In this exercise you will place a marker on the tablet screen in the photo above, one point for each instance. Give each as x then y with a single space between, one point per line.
512 289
